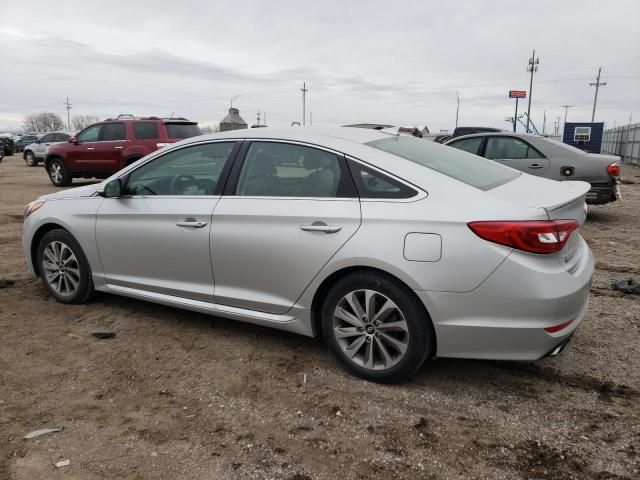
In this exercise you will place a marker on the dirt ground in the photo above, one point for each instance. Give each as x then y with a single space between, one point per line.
182 395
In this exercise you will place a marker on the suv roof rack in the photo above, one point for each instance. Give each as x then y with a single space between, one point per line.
129 116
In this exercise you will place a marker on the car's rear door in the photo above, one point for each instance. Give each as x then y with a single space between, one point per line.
156 237
41 146
108 149
287 209
516 153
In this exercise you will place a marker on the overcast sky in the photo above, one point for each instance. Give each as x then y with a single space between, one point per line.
363 61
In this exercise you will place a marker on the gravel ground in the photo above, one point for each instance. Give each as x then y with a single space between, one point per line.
181 395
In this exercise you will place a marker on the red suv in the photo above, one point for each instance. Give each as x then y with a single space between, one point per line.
103 148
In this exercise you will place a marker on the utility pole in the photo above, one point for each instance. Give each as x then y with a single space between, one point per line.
457 108
68 106
304 91
258 117
566 109
597 84
533 67
544 123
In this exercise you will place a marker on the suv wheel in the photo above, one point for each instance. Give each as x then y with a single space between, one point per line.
59 173
376 328
30 158
64 268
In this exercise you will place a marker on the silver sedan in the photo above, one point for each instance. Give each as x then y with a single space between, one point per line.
393 248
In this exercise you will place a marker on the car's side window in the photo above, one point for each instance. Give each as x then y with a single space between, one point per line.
276 169
91 134
373 184
112 132
471 145
145 130
507 148
61 137
47 138
192 170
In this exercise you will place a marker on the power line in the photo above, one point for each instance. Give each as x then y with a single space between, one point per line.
596 84
533 67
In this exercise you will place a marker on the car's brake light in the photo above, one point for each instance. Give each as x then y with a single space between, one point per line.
613 170
557 328
538 236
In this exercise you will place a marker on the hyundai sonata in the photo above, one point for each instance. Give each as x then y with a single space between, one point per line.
393 248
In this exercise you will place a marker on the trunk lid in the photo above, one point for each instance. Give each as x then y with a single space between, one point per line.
560 200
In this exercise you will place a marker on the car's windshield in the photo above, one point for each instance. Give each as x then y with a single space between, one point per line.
465 167
558 143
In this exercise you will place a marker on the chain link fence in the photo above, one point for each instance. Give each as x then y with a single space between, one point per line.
623 141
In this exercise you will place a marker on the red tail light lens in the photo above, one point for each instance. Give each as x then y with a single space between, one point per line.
544 236
613 170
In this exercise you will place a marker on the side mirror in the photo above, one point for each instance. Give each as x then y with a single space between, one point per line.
112 189
73 140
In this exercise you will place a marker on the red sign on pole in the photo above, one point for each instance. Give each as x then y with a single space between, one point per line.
517 94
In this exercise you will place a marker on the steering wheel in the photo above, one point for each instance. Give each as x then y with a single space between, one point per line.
180 182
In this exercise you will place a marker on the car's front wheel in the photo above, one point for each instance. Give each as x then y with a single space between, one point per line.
63 267
376 327
30 159
59 173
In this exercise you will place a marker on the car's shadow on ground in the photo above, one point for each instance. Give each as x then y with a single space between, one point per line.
494 378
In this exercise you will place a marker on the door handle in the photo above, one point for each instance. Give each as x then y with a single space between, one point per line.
320 228
536 166
118 148
191 223
90 148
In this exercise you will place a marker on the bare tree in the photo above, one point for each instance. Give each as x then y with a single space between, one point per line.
80 122
210 128
43 122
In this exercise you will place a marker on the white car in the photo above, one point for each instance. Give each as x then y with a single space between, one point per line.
35 152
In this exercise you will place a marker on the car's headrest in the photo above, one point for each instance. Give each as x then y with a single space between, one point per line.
316 160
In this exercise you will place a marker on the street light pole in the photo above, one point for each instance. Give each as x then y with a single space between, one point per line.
304 91
533 67
457 108
232 99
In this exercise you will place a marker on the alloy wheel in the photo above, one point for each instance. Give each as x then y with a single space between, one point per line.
370 329
61 268
56 172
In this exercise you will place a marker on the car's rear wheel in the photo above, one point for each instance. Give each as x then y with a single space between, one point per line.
30 159
376 327
59 173
64 268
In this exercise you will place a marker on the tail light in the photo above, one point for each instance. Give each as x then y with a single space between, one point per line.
543 236
613 170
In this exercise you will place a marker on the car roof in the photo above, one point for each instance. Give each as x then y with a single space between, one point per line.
315 135
497 134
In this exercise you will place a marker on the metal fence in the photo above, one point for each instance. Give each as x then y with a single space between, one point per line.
623 141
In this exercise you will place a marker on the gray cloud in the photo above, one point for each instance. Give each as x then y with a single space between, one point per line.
363 60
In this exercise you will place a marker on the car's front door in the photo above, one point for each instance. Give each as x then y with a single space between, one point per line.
108 149
156 236
516 153
81 155
286 211
41 146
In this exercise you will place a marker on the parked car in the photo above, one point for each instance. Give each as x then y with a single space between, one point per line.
548 158
37 151
393 248
106 147
8 145
460 131
26 139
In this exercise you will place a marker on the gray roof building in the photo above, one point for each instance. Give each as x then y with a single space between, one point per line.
233 121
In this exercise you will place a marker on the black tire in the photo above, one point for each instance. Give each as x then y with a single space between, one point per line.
419 341
30 158
84 290
59 173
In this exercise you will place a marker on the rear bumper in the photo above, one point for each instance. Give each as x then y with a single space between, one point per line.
600 194
505 317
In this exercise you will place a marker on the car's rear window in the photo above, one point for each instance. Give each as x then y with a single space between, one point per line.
182 130
145 130
465 167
